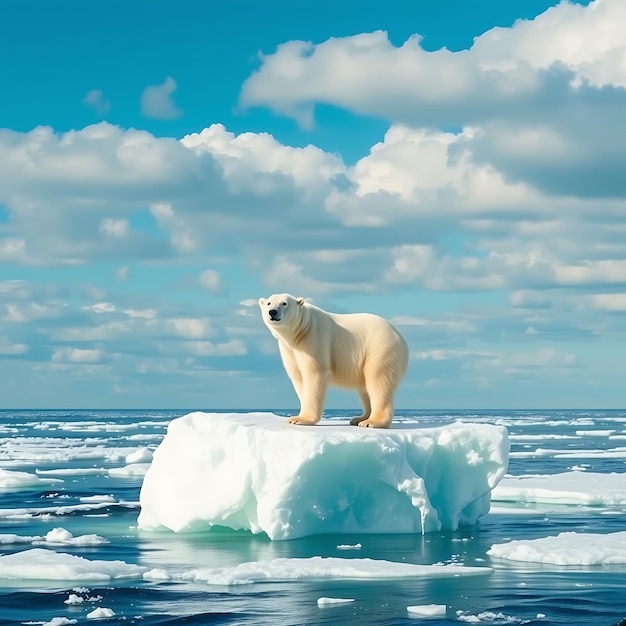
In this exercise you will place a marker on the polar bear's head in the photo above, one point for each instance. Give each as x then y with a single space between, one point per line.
280 309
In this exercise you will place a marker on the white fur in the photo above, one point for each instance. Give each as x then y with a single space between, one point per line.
358 351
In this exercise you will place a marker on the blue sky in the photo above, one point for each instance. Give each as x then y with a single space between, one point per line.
456 167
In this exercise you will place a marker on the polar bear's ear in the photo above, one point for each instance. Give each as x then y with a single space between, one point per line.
300 301
261 301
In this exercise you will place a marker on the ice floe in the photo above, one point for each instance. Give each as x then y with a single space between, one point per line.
568 548
321 568
427 610
20 481
574 488
333 601
42 564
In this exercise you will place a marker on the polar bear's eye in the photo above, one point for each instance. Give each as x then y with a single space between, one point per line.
284 304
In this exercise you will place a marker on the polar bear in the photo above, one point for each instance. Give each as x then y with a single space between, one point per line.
358 351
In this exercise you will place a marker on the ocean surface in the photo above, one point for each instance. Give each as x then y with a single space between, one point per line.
78 494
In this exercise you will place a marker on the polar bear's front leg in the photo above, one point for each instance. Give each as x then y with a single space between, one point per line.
314 387
292 369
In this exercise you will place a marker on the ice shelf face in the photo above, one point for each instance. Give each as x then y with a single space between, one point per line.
254 471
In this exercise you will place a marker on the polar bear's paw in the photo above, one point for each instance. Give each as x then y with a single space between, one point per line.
355 421
373 423
301 420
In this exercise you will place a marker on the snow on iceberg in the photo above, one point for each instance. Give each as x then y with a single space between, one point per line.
566 549
573 488
254 471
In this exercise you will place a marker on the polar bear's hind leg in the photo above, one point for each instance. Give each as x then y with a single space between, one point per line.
367 408
381 387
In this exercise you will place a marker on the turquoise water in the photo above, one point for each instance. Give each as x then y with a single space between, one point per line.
86 445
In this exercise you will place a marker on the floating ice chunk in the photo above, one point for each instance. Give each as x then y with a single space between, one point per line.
59 621
80 597
73 471
489 617
594 433
97 498
320 568
333 601
57 511
74 599
566 549
610 453
41 564
585 488
427 610
345 546
130 471
65 537
100 613
20 481
11 538
157 574
142 455
256 472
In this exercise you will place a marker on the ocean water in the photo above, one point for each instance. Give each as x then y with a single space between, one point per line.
97 458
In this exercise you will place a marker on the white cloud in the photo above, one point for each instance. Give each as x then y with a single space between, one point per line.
211 281
115 228
101 307
77 355
95 98
9 349
146 314
502 71
381 226
191 328
157 102
611 302
545 97
234 347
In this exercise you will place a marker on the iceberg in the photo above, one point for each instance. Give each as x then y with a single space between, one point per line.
253 471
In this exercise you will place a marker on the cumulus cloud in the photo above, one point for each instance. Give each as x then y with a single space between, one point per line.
95 98
505 68
545 97
157 101
72 198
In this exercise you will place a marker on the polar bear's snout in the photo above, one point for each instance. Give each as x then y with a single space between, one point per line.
274 315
